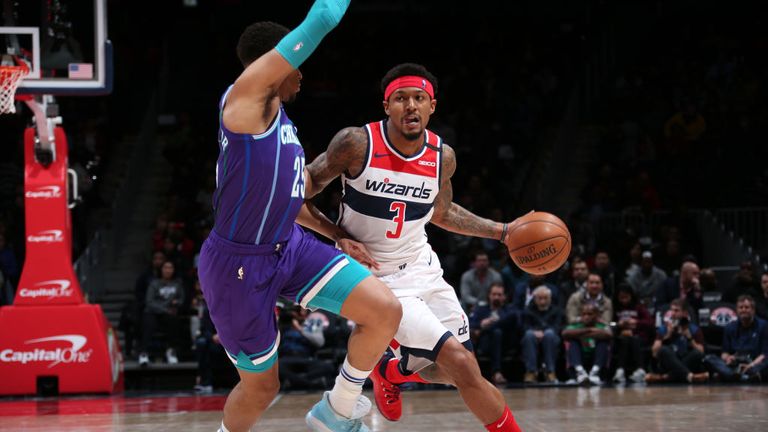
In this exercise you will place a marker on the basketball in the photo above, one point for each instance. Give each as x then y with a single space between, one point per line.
538 242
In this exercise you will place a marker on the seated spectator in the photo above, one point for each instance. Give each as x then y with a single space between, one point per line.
524 291
165 296
587 338
477 281
635 258
133 312
634 326
171 251
647 280
708 281
605 269
762 300
151 273
744 283
678 348
684 287
491 326
207 348
542 322
745 346
592 295
302 334
577 283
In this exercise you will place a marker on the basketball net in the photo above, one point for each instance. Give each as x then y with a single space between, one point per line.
10 77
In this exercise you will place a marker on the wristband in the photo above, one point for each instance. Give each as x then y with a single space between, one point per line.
299 44
503 232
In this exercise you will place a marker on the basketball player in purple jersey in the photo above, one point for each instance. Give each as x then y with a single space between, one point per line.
256 252
396 176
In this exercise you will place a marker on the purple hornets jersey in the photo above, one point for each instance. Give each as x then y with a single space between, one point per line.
259 182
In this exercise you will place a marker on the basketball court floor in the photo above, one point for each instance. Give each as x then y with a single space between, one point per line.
662 408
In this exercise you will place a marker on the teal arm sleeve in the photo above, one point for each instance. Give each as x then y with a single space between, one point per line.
299 44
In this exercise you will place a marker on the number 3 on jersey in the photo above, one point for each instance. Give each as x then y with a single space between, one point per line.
298 181
399 208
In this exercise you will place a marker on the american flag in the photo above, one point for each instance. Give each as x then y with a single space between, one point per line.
80 70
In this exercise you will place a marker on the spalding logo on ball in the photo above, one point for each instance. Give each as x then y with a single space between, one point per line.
538 242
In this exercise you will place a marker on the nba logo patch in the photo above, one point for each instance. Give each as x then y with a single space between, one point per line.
424 83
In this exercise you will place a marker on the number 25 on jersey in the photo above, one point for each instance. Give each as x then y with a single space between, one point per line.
298 181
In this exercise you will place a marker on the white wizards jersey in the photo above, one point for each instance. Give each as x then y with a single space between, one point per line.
387 205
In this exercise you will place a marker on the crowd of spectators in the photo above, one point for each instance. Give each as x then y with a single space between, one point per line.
504 128
663 337
679 125
671 129
596 319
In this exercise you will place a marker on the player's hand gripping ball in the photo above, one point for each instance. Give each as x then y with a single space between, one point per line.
538 242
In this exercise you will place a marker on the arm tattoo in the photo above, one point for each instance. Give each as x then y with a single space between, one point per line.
453 217
345 153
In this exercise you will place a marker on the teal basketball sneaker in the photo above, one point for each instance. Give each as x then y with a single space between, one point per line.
322 417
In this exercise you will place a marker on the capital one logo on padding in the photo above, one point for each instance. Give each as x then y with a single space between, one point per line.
44 192
68 352
50 289
48 236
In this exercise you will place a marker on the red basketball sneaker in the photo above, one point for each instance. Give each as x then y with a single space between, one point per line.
386 394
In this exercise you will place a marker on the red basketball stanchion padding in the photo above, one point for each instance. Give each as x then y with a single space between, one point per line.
48 277
50 336
73 345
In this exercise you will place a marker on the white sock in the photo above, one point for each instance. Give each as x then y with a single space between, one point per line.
595 370
349 385
580 369
222 428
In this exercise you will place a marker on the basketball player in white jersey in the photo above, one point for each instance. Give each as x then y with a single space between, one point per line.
396 176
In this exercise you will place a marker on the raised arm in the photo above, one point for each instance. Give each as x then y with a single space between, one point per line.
453 217
251 105
345 153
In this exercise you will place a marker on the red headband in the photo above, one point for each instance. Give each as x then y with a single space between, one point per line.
409 81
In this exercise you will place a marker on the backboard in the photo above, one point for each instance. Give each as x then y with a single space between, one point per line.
64 42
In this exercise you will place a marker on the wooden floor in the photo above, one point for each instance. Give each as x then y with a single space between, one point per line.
695 408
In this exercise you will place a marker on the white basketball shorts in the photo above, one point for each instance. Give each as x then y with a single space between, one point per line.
431 311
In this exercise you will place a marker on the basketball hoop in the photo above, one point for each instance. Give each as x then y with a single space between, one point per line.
10 77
